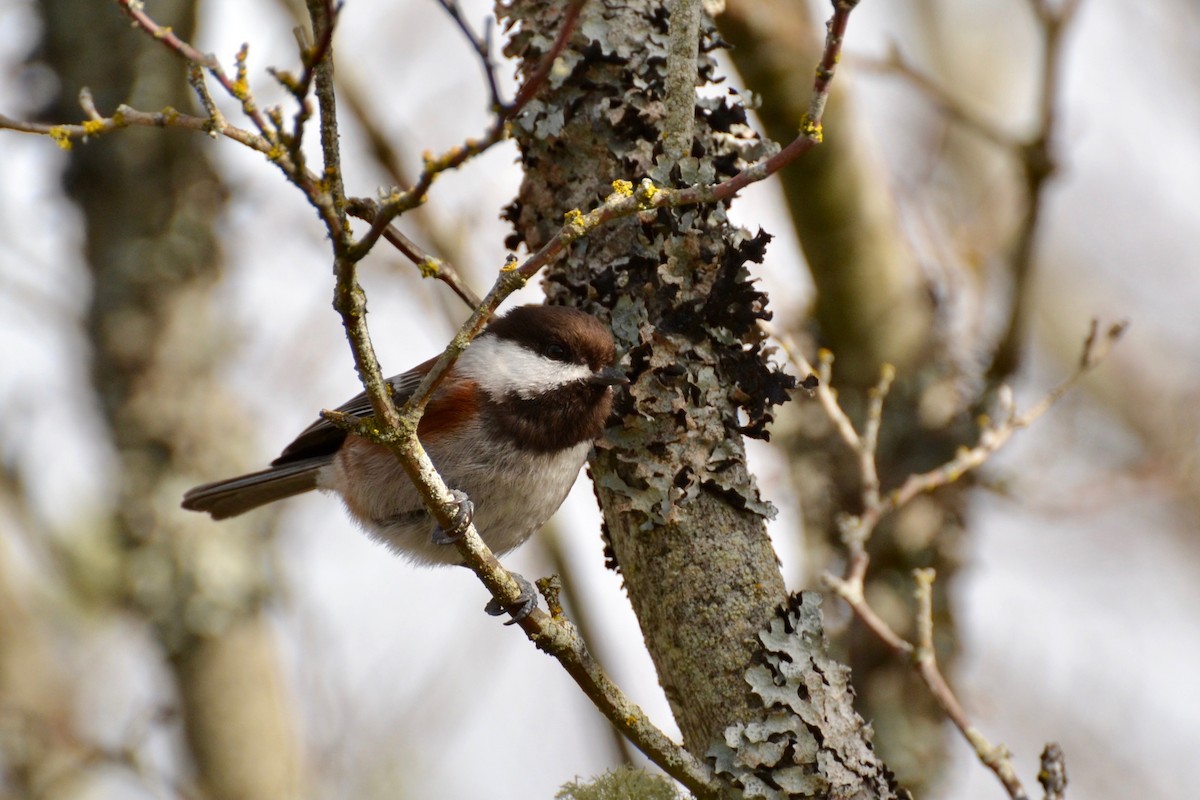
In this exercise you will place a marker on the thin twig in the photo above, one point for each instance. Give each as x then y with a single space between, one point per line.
430 266
534 82
127 117
216 120
482 45
996 757
88 103
135 11
996 435
1038 165
284 150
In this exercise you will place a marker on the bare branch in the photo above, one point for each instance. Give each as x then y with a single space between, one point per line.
1053 774
1039 165
857 529
429 265
135 11
127 117
996 758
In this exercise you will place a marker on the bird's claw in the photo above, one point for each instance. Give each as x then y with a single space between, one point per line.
519 610
462 518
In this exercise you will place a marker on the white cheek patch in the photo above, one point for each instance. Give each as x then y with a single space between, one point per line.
502 368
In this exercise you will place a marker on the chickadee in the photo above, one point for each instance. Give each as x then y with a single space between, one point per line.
510 426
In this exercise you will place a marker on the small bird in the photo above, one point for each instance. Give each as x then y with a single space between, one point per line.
508 428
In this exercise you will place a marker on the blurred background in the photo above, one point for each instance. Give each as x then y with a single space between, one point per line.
165 320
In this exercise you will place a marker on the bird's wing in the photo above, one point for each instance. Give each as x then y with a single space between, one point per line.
323 438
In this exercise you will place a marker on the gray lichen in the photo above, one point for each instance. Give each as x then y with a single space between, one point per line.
810 741
675 284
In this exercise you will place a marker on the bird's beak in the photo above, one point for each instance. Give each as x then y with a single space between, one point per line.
609 376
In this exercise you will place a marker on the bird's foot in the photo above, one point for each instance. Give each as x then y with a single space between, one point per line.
519 610
462 518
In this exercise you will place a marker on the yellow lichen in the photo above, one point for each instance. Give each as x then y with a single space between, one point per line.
623 188
241 85
647 190
92 127
811 130
430 267
61 136
575 219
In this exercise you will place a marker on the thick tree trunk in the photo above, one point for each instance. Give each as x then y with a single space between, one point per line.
149 201
685 521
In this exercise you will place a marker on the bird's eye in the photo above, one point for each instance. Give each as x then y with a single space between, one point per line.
556 351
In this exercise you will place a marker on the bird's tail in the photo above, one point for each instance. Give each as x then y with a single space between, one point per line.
234 496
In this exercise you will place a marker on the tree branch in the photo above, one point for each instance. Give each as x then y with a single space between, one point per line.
681 77
857 529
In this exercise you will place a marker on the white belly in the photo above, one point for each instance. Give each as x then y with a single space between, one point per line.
513 495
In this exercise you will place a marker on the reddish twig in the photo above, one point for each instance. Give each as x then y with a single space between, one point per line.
430 266
401 201
482 45
539 76
134 10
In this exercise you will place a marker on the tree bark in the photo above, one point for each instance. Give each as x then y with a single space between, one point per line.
684 519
